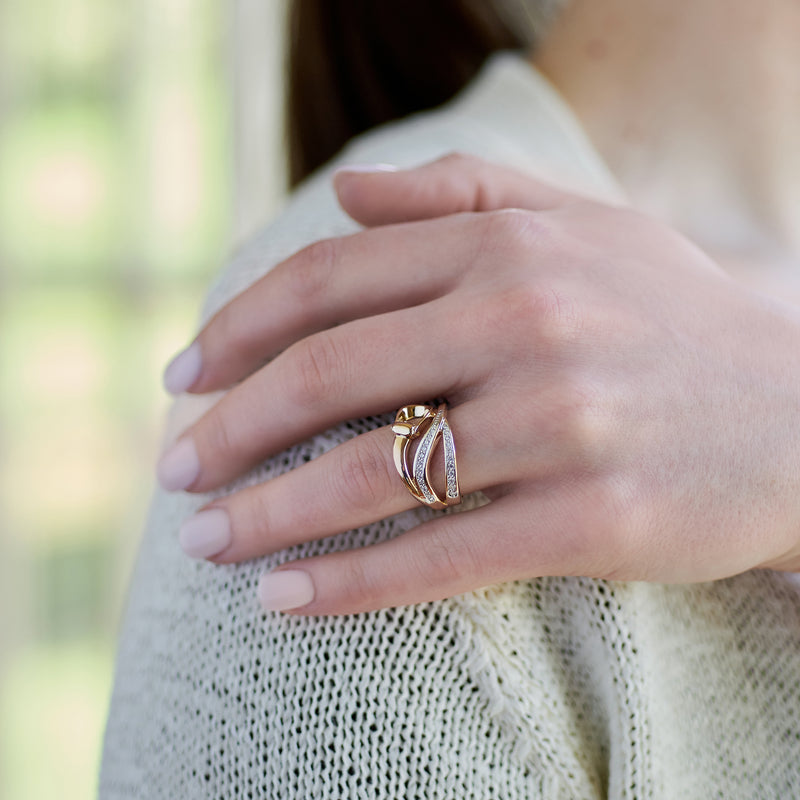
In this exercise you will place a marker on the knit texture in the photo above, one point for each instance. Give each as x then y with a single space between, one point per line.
548 688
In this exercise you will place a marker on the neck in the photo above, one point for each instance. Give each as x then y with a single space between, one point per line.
695 107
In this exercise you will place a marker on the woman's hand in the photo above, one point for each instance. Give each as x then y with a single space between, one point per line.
630 410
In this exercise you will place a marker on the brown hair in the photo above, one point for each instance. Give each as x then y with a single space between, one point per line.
354 64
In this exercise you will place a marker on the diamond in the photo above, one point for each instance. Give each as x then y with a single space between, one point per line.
423 454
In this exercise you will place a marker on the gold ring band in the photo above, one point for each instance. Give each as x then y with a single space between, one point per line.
428 424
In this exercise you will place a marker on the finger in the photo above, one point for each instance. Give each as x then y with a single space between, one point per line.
327 283
514 538
356 483
366 367
453 184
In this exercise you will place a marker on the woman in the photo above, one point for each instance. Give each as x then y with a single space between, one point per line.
621 390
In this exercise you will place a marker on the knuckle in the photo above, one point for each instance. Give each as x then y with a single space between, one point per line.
362 480
558 312
552 314
310 272
584 423
532 317
462 178
443 555
512 231
363 588
559 320
315 364
218 435
251 512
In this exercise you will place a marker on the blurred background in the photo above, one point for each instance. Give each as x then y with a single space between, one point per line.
139 143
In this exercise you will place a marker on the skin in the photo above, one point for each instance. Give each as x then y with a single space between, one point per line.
644 395
695 107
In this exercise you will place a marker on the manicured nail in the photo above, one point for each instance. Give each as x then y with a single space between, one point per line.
367 168
183 370
284 589
206 533
179 467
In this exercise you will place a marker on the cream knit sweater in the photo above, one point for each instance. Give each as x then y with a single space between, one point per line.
547 688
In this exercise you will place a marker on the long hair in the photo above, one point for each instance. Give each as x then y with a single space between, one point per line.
354 64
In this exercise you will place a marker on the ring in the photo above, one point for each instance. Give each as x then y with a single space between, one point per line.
428 424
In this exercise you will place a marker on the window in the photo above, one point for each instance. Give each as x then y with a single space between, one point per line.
118 195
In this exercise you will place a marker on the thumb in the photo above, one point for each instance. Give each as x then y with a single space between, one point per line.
449 185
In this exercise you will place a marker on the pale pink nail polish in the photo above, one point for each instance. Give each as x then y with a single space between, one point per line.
179 467
367 168
206 533
285 589
183 370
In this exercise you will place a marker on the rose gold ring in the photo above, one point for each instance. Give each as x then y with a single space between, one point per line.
429 425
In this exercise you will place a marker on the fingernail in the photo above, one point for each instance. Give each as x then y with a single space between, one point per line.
206 533
284 589
367 168
183 370
179 467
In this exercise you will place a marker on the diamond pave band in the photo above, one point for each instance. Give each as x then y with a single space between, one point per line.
429 425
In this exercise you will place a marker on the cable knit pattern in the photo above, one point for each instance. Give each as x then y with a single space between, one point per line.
549 688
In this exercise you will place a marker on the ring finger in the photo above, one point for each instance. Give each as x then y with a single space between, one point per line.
356 483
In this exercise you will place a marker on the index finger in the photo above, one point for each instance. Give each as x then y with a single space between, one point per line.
329 282
453 184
